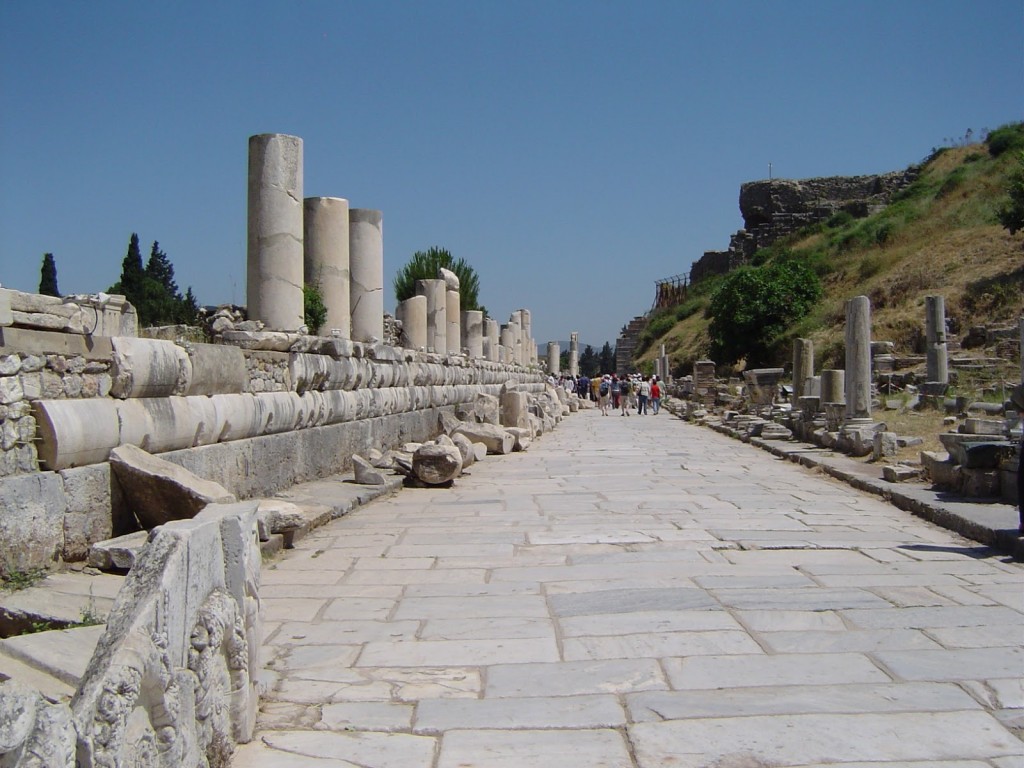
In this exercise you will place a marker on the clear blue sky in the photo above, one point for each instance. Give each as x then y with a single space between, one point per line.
572 152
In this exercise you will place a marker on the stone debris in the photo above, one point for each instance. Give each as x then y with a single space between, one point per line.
159 491
437 464
366 473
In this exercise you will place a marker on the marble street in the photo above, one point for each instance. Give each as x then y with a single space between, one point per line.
639 593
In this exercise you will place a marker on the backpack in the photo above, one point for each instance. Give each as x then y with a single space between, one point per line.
603 388
624 388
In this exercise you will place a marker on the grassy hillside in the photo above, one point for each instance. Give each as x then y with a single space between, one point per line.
939 236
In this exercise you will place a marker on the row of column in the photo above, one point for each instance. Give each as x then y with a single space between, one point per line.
294 241
853 385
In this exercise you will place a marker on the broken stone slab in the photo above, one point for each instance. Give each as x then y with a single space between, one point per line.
486 409
61 653
938 466
957 444
986 455
437 464
992 409
497 439
32 521
898 473
885 445
523 437
119 553
465 446
34 731
909 441
74 433
159 491
447 423
978 426
216 369
366 473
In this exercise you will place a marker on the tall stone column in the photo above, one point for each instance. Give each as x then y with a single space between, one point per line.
325 241
554 353
437 314
274 252
529 344
453 311
515 323
493 339
663 359
413 314
473 332
366 265
858 361
508 344
937 353
803 366
574 354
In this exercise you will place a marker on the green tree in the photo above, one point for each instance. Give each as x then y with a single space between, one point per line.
424 265
133 275
188 309
1011 213
590 365
607 358
48 277
754 306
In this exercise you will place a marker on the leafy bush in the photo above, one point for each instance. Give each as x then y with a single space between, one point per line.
313 307
1011 213
839 219
1005 138
754 306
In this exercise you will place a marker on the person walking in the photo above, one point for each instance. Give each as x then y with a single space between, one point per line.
643 392
604 392
624 393
655 395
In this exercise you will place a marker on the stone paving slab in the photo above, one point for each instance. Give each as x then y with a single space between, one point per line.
641 593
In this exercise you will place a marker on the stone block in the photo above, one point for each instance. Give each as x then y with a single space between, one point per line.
884 445
149 368
977 483
118 554
216 369
159 491
34 731
32 523
980 426
437 464
896 473
96 509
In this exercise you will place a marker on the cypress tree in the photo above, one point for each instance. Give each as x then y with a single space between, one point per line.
48 277
133 276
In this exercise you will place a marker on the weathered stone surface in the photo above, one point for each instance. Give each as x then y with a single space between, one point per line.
899 474
119 553
437 464
159 491
148 368
496 438
465 446
216 369
514 408
95 509
486 409
177 663
31 525
884 445
366 473
34 732
523 437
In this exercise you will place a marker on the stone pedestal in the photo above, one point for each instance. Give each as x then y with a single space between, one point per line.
574 354
413 315
833 386
937 360
326 262
472 333
554 353
274 253
366 264
858 361
803 366
435 292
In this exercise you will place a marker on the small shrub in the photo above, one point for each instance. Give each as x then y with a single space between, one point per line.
839 219
952 183
314 309
1006 138
17 580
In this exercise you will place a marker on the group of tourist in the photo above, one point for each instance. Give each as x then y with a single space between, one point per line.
613 392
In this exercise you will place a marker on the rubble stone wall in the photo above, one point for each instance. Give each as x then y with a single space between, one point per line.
256 415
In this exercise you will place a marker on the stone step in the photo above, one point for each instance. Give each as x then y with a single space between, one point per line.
58 600
53 661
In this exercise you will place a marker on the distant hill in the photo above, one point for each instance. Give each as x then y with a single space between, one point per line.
938 235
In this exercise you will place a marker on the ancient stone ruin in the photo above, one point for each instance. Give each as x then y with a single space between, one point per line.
161 457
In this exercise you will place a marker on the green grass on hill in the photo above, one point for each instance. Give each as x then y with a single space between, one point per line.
940 235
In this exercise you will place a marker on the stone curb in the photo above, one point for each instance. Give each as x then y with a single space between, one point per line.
976 521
